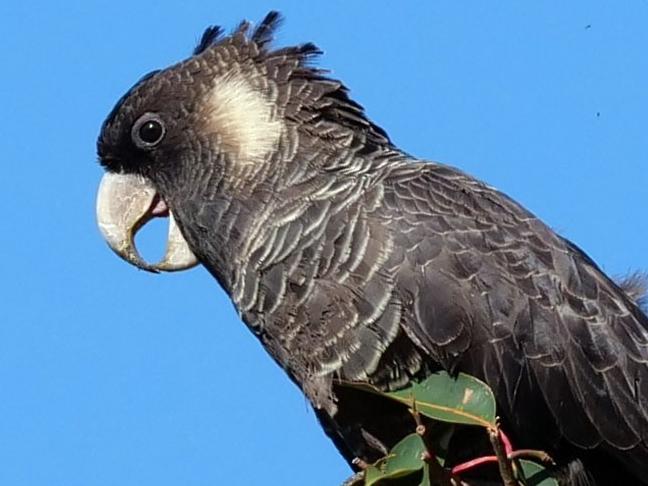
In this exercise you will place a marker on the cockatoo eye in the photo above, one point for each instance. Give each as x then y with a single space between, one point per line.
148 131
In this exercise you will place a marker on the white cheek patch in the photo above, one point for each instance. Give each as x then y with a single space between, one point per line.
243 118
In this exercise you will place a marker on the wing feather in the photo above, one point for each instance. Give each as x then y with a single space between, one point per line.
507 299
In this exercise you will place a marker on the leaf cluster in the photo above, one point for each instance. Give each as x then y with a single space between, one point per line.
419 458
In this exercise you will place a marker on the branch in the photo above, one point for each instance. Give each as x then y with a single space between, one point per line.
504 463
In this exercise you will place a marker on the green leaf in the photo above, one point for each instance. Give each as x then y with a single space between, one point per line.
460 400
405 458
533 474
425 481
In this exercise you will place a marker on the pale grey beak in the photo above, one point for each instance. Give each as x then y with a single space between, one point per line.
125 203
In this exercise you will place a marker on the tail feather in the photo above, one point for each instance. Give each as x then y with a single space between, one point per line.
635 285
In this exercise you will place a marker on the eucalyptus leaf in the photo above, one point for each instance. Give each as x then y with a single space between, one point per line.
534 474
425 480
405 458
461 400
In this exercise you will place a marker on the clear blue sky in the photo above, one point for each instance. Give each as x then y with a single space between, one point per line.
112 376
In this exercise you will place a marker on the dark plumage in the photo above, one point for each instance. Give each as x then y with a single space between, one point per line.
350 259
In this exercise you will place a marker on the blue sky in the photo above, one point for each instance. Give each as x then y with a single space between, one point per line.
109 375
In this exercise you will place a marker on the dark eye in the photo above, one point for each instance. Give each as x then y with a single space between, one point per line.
148 130
151 131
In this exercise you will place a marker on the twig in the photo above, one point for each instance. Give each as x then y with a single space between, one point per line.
442 476
506 442
356 480
504 463
540 456
474 463
360 463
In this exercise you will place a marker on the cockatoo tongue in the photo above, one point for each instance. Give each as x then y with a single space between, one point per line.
159 208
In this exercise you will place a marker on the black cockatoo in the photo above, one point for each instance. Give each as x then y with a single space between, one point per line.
351 260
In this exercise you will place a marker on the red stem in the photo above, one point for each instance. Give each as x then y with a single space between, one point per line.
508 447
467 466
